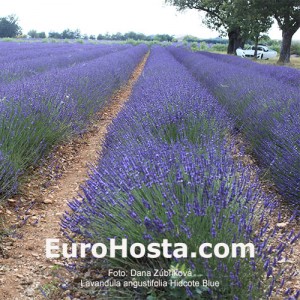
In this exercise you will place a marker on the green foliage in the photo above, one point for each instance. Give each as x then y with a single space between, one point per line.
286 13
240 19
295 48
25 141
54 35
7 40
190 39
34 34
69 34
133 36
250 16
194 46
101 37
49 288
42 35
9 27
203 46
218 48
66 34
163 38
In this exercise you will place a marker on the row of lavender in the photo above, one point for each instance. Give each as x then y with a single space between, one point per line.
265 109
41 60
167 172
282 73
37 112
24 50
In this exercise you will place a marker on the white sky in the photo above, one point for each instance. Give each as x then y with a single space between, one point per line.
101 16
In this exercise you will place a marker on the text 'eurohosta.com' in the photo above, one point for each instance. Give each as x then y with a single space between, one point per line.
55 249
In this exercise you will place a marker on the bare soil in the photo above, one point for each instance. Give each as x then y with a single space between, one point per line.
35 214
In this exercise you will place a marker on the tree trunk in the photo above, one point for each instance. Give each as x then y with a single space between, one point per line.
235 41
256 44
285 51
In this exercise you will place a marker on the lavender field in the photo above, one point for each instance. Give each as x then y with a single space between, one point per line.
167 172
264 102
169 167
50 91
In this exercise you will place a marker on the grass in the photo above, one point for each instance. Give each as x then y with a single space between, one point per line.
295 62
47 289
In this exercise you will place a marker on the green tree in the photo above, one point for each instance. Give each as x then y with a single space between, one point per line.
287 15
100 37
236 18
9 27
257 21
118 37
216 17
191 39
42 35
69 34
33 34
163 37
130 36
54 35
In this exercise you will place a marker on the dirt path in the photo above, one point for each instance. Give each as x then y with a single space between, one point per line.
24 267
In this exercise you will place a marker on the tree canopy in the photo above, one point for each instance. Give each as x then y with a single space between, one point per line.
247 19
9 27
135 36
287 15
239 19
34 34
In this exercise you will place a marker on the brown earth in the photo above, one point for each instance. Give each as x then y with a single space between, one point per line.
24 268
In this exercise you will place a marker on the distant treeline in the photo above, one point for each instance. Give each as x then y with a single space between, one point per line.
70 34
193 39
137 37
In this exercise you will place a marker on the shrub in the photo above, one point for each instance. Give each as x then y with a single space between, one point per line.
39 111
218 48
295 48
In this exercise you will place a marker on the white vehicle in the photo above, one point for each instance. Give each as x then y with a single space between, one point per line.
263 52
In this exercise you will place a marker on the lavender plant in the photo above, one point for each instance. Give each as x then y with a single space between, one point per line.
41 110
167 172
264 109
283 74
8 175
48 58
